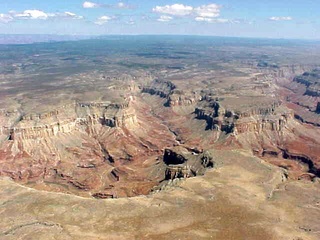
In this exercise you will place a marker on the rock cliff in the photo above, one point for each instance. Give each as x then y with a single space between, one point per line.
184 163
272 117
159 87
71 117
82 147
312 82
286 72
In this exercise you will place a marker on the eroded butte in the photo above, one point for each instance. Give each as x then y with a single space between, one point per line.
208 140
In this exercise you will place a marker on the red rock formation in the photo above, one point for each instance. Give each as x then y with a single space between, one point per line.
97 145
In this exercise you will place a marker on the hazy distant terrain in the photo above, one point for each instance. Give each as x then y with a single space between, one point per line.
34 38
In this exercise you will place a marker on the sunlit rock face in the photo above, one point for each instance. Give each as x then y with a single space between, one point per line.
91 146
82 147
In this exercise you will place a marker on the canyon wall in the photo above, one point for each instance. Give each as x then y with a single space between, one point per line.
68 118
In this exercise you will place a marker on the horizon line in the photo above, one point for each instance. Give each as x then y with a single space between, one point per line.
150 34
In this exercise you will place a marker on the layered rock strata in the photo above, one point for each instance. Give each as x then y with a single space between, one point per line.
181 163
159 87
71 117
97 147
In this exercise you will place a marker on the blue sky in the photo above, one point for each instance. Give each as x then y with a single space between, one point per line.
247 18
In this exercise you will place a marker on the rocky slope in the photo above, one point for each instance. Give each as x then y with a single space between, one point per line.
265 125
71 117
100 148
155 136
241 191
311 80
66 146
160 138
301 91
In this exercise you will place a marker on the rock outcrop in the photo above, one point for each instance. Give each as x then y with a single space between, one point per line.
159 87
178 98
168 90
263 122
81 148
272 117
311 80
183 163
71 117
286 72
303 95
216 116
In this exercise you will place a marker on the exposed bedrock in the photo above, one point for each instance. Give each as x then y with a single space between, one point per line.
312 168
171 157
216 117
286 71
265 126
311 80
41 131
302 92
69 118
276 120
300 165
98 149
283 141
271 131
159 87
179 98
272 117
183 163
174 96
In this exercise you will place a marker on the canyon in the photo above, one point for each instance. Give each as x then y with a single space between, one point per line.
197 144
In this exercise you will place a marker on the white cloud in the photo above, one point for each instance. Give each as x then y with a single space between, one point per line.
90 5
68 15
203 13
119 5
5 18
207 11
122 5
102 20
175 9
31 14
164 18
214 20
280 18
37 14
203 19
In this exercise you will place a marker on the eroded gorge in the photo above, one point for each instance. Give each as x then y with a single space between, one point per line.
187 123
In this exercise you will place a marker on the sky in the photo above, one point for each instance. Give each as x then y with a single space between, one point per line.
298 19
